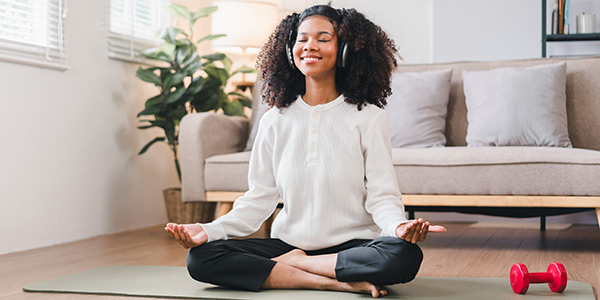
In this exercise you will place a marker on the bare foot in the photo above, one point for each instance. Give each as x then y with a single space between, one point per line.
290 258
363 287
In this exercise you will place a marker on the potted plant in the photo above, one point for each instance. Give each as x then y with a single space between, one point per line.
187 82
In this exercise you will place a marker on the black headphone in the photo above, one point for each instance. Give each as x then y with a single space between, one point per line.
342 55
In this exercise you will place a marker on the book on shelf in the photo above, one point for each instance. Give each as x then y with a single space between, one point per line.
560 16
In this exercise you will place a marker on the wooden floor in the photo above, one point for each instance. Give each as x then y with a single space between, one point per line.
461 252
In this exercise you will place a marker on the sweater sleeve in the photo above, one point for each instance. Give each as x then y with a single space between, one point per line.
383 199
258 203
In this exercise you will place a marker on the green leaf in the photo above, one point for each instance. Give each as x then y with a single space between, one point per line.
172 80
204 12
180 10
196 85
214 57
243 99
227 63
177 113
146 127
192 64
174 96
217 74
164 52
156 100
170 34
210 37
233 108
148 76
206 100
148 111
182 52
244 69
161 124
145 148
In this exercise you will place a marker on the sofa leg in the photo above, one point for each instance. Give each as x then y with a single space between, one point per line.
598 215
543 223
223 208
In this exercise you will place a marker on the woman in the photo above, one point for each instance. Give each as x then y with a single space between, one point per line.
324 150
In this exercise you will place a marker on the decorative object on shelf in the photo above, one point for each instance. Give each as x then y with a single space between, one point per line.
586 23
187 82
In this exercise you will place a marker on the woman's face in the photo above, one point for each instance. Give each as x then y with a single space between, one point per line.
315 50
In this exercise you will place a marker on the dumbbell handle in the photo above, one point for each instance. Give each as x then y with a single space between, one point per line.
540 277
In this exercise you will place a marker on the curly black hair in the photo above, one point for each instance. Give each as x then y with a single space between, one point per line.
370 61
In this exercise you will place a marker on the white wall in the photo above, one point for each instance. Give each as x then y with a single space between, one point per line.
486 30
69 160
407 22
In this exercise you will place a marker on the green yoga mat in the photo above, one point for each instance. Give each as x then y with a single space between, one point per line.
174 282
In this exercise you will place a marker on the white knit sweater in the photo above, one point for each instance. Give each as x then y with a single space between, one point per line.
331 165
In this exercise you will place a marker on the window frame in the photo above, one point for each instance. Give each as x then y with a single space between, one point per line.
48 52
126 47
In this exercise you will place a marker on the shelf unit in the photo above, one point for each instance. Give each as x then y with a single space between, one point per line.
576 37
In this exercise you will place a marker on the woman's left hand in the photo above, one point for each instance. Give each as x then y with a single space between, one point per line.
416 230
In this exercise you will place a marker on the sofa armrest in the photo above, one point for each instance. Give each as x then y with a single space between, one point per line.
202 135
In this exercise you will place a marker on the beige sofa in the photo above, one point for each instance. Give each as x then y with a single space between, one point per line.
506 181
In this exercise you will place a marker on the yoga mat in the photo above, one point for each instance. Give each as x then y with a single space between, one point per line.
174 282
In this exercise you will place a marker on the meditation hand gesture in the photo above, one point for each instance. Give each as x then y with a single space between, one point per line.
188 235
416 230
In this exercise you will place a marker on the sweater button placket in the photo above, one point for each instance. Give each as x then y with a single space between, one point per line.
313 136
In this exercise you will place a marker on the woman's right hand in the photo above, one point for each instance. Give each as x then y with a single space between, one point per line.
188 235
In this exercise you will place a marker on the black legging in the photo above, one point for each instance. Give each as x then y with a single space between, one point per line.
246 264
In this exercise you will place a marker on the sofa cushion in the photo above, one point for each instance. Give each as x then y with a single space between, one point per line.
417 108
460 171
517 106
227 172
498 171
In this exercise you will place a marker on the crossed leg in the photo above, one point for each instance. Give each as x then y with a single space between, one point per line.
295 269
360 266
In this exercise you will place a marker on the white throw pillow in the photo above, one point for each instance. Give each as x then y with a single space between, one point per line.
517 106
417 108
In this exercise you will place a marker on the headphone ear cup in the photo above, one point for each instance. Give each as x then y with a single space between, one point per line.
342 55
289 55
289 46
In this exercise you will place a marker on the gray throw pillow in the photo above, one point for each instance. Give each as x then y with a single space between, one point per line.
417 108
517 106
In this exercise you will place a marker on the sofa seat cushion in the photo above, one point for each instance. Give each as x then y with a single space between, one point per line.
460 171
227 172
498 171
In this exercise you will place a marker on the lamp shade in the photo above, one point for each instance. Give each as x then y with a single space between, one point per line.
247 24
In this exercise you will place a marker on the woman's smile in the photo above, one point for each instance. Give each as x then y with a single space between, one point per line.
310 59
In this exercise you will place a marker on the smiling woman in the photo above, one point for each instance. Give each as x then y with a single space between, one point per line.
365 58
324 151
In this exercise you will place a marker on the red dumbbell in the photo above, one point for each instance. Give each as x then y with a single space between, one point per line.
556 277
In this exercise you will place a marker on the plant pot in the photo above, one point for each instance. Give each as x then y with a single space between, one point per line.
191 212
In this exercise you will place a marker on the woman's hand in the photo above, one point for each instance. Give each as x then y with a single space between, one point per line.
188 235
416 230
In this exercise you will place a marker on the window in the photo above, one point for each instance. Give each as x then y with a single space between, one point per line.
31 32
133 27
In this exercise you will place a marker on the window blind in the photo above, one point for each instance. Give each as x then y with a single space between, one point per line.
134 25
31 32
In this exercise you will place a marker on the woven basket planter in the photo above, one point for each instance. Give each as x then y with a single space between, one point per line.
191 212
